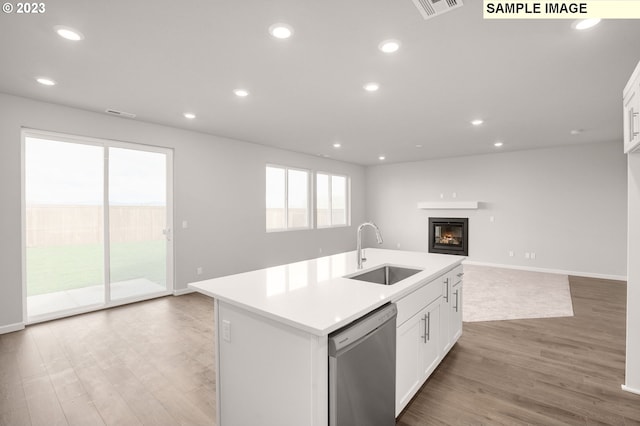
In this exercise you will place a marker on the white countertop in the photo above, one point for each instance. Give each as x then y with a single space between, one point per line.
314 296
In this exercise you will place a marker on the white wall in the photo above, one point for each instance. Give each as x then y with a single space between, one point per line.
632 379
567 204
218 189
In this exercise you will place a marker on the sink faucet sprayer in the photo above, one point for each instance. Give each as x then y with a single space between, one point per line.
359 241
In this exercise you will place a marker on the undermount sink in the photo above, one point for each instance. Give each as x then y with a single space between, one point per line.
385 275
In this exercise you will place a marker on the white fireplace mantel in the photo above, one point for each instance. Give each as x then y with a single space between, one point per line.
448 205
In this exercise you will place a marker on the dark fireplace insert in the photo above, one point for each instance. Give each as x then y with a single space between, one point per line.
449 235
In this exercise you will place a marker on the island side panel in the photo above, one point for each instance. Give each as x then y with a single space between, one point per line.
269 373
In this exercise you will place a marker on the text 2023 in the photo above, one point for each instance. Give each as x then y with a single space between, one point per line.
30 7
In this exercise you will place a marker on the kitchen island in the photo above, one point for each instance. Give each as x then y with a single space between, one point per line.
272 328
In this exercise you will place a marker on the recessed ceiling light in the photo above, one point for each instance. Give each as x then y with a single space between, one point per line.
389 46
68 33
371 87
189 115
241 93
498 144
418 146
477 122
281 31
337 145
45 81
381 158
576 131
586 23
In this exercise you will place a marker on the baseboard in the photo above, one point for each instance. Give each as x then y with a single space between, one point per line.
183 291
11 328
548 271
632 390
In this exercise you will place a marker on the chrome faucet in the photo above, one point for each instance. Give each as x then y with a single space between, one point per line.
361 258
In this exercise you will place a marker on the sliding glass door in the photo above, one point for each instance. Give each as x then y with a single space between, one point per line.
97 218
64 192
138 227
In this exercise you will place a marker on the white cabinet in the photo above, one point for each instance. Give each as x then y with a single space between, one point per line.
418 352
455 313
429 322
445 333
451 320
631 112
417 340
430 346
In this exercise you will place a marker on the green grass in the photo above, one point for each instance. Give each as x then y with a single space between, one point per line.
59 268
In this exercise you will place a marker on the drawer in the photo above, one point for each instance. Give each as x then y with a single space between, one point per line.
457 274
412 303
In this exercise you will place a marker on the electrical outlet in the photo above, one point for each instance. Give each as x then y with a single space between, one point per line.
533 255
320 250
511 253
491 219
398 245
185 224
527 255
199 270
454 195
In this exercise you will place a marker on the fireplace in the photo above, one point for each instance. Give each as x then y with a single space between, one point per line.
449 235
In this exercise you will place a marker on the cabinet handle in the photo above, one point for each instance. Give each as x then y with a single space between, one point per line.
446 293
632 124
460 274
456 305
427 327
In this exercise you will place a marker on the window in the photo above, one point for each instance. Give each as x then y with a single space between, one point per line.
287 198
332 200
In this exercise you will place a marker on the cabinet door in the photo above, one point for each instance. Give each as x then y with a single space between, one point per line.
445 334
631 118
455 318
430 339
408 361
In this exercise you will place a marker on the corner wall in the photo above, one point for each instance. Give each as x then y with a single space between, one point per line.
218 189
567 204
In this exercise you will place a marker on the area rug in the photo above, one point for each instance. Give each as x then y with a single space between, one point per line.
492 294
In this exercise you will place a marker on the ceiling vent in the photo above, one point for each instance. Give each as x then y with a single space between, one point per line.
430 8
120 113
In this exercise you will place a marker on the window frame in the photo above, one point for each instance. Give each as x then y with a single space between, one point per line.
347 206
309 204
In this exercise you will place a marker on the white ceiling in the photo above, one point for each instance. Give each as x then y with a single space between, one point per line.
532 81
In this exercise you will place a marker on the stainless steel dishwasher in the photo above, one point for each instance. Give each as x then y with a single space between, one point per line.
362 371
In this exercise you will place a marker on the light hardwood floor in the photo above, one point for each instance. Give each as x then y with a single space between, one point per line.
152 363
148 363
552 371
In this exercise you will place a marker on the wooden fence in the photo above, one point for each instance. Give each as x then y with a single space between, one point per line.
66 225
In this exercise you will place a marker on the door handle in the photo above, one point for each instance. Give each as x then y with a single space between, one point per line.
167 233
